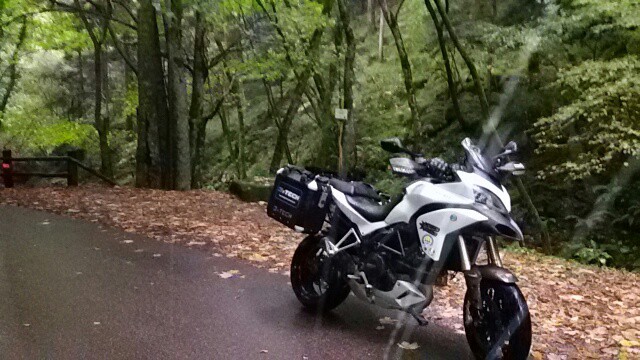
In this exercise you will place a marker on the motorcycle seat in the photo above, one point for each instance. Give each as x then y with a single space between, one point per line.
371 209
355 188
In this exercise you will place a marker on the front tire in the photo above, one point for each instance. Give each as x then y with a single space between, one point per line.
502 322
317 281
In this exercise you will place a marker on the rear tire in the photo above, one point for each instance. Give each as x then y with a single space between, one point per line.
318 281
504 318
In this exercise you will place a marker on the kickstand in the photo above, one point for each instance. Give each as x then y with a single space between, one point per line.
419 318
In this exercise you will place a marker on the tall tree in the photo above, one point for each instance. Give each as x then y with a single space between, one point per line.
391 18
453 88
98 34
197 121
294 96
152 164
13 68
180 154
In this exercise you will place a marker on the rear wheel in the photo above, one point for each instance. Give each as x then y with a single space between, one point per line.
501 329
317 280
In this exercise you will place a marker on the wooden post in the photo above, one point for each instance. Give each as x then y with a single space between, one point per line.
7 169
341 116
341 169
72 168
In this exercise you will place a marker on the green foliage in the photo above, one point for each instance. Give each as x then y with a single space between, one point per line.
35 136
592 253
598 130
58 31
285 48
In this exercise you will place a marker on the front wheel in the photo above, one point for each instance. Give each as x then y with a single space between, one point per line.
318 281
501 328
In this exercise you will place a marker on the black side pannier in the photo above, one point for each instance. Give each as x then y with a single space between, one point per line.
295 205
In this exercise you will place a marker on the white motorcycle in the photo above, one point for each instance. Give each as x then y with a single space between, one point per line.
390 252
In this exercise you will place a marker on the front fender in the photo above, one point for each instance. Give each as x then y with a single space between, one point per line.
496 273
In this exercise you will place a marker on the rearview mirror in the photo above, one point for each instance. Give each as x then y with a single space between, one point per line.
393 145
510 148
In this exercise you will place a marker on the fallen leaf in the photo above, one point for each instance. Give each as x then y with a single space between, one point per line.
229 274
629 343
256 257
572 297
387 321
408 346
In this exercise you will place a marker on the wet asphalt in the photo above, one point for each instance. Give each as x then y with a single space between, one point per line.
72 289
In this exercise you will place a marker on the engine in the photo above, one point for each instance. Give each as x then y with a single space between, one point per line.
390 259
378 273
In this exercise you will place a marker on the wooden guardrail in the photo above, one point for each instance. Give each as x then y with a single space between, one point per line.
71 173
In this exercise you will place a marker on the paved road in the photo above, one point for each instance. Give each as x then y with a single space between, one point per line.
70 289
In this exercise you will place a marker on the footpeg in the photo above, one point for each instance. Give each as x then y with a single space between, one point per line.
419 318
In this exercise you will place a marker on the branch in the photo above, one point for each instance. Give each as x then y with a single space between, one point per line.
215 110
87 25
447 64
223 54
13 73
72 9
484 105
121 51
400 3
127 9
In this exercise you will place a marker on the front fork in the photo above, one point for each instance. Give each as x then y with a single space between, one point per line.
473 274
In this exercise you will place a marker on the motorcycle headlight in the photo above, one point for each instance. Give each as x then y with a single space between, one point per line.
488 199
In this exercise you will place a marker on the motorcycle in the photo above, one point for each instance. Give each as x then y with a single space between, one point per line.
390 252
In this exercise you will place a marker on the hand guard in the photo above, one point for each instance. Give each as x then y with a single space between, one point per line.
439 169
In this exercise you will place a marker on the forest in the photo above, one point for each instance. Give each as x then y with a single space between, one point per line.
188 94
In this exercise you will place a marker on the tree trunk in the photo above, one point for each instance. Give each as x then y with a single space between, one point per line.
224 123
81 84
381 37
152 165
453 92
484 105
197 123
129 84
392 22
348 83
13 69
371 14
101 122
177 92
238 94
